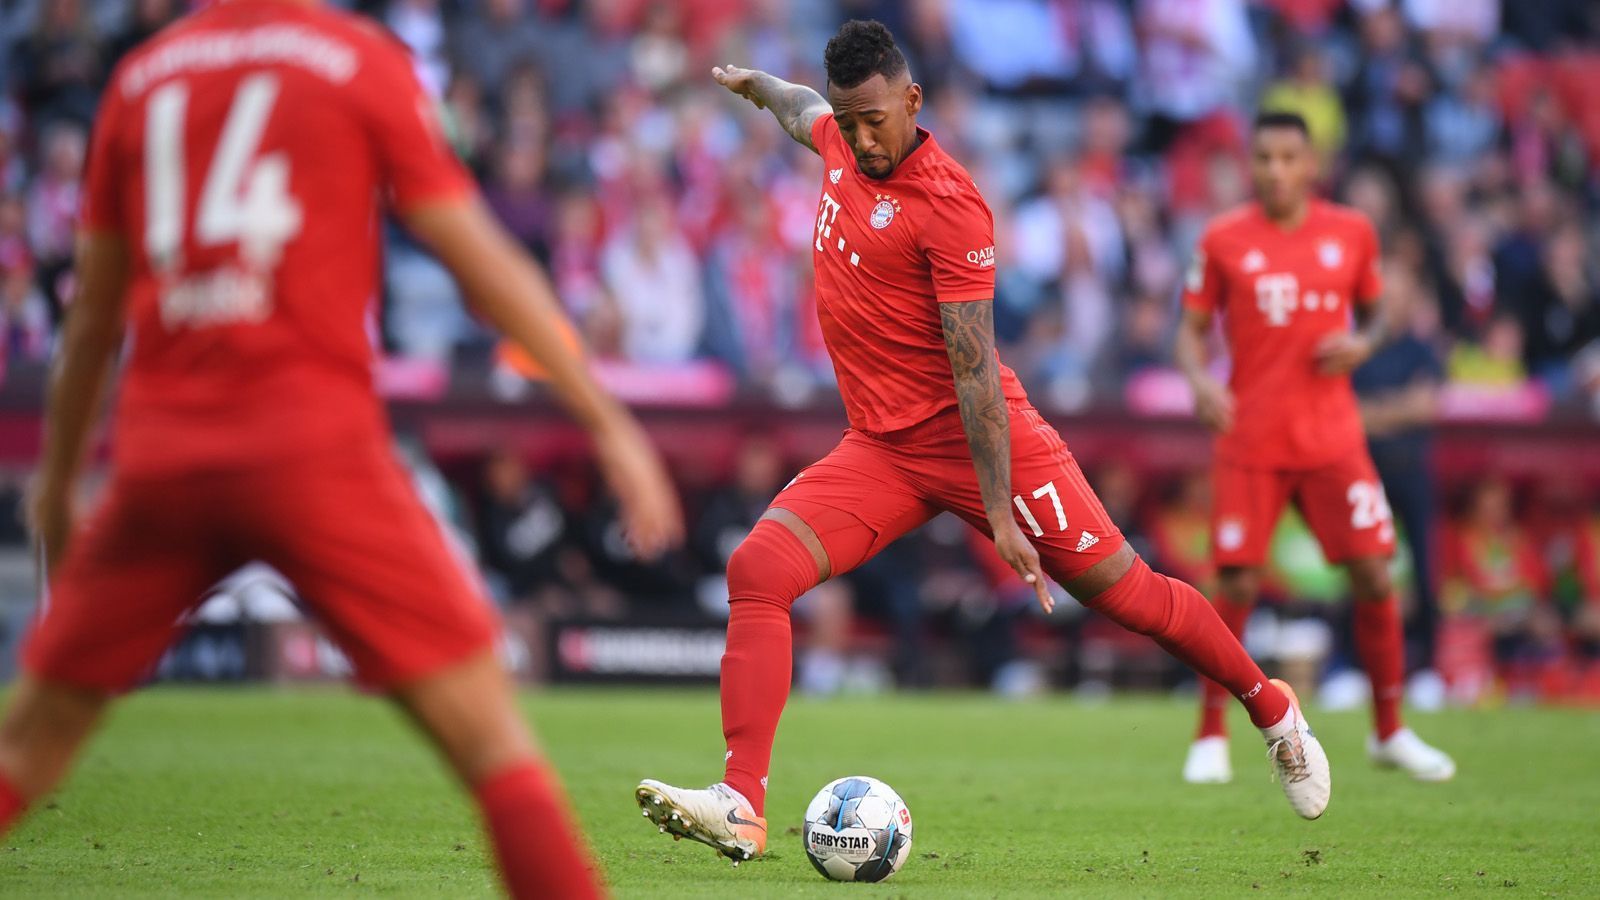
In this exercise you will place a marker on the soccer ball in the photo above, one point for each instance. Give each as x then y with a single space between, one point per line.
857 829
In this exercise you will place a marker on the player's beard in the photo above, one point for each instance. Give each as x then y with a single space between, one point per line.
884 167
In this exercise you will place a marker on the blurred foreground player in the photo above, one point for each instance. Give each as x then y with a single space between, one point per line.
904 255
231 222
1286 273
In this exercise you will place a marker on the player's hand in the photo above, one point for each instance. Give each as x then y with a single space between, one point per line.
1342 352
49 519
740 81
652 520
1019 554
1213 404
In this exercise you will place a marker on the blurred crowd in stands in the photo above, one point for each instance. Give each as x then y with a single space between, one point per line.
676 220
1505 602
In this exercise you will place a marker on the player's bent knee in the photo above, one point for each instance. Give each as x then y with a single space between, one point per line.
772 565
1370 580
1141 600
1103 575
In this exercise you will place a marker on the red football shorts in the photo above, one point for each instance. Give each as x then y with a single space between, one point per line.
869 491
1343 503
346 529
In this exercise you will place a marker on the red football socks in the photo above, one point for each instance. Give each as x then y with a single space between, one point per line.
1380 645
12 805
1185 625
765 576
1214 698
537 847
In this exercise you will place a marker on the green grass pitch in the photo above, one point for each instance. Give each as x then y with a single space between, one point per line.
228 793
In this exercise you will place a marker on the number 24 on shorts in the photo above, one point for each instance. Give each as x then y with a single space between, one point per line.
1049 490
1368 506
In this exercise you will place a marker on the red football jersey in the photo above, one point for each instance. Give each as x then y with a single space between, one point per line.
245 154
887 252
1280 293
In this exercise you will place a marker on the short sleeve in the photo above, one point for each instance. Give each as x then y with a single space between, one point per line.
415 163
823 130
101 208
1369 280
958 242
1202 284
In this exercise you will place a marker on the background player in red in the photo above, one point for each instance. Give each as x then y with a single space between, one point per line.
1286 273
241 160
904 256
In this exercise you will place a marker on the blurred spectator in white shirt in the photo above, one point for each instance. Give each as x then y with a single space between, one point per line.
654 277
418 25
1070 238
1198 55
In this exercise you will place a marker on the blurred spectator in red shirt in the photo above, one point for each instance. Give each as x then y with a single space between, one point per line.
1569 539
1495 575
1308 17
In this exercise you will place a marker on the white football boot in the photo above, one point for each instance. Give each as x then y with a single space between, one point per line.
1409 753
717 816
1298 761
1208 762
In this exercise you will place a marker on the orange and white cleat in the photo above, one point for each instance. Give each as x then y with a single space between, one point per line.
718 816
1298 760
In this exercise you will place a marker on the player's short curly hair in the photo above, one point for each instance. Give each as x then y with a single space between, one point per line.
861 50
1281 118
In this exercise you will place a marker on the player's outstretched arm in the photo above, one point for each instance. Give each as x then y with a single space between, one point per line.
969 341
1213 402
795 106
511 293
77 383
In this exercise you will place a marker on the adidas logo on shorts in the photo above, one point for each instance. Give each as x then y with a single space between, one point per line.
1086 540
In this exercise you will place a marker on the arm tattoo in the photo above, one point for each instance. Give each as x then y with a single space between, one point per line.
969 341
795 106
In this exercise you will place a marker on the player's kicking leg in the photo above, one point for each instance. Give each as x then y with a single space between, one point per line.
1080 547
1124 589
831 518
766 574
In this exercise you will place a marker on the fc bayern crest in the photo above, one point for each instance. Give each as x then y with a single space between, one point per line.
883 212
1230 534
1330 254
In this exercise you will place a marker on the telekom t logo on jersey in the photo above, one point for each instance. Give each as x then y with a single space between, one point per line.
1278 297
827 215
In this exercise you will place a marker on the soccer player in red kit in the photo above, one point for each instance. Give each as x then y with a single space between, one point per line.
905 258
239 166
1287 273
